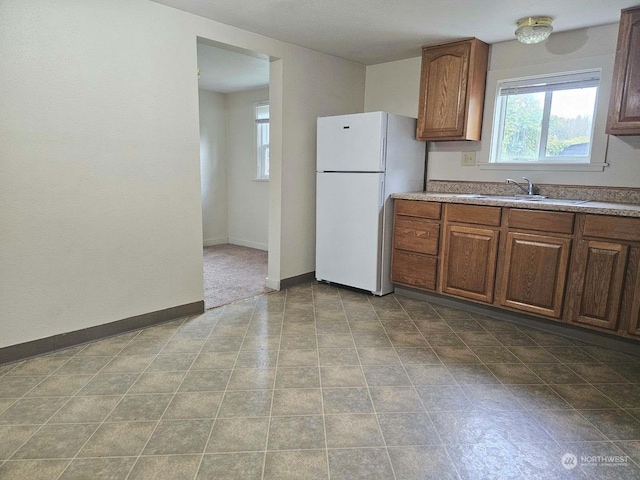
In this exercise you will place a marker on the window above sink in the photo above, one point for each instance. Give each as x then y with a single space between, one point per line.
538 74
545 119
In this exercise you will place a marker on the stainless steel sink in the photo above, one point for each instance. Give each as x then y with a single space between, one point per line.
563 200
519 198
470 195
523 198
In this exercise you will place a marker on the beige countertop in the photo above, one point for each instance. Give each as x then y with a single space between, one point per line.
562 205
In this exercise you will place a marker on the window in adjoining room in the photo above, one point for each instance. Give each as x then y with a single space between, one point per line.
262 140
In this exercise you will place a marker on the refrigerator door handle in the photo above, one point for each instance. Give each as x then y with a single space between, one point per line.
381 200
384 153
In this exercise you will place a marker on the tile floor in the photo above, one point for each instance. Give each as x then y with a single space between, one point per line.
320 382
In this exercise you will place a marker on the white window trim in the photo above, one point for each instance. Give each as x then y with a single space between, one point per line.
589 77
259 167
600 141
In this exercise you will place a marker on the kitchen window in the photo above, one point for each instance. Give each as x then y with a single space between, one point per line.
262 140
545 120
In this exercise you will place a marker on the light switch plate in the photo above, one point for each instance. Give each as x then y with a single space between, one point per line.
468 159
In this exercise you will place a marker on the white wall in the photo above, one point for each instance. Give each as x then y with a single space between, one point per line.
248 198
213 167
319 86
393 86
99 160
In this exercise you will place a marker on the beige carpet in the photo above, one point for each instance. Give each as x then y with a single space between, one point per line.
233 273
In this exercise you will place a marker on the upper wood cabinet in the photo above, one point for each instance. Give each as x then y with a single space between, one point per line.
624 105
452 87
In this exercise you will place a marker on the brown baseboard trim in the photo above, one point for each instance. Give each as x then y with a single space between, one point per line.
297 280
41 346
600 339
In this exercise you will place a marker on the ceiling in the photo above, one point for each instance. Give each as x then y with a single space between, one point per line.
376 31
226 71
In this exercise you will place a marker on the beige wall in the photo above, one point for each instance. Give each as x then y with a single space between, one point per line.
235 206
394 87
316 86
99 174
213 167
248 198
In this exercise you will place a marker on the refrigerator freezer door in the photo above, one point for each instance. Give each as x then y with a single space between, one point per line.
349 228
352 143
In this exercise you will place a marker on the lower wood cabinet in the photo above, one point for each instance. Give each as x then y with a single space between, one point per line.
604 289
634 323
416 235
582 269
534 273
631 293
469 262
596 290
416 244
414 270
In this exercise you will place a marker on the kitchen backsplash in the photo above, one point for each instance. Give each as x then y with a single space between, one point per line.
577 192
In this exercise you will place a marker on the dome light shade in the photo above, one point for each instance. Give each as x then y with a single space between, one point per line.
533 29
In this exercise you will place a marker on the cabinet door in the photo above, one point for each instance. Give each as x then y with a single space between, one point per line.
634 325
469 262
624 104
630 306
534 273
443 90
598 283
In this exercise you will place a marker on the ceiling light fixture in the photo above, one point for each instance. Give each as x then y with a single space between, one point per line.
533 29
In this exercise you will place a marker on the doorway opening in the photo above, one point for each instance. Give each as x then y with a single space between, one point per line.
233 88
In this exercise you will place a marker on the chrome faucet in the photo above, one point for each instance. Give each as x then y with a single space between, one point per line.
528 190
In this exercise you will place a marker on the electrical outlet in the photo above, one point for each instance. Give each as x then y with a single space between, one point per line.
468 159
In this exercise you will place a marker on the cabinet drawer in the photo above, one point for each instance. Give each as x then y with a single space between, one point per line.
415 208
474 214
554 222
416 235
616 228
414 270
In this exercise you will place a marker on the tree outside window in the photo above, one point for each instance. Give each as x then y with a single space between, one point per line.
546 120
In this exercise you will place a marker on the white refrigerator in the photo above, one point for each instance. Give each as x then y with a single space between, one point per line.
361 160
